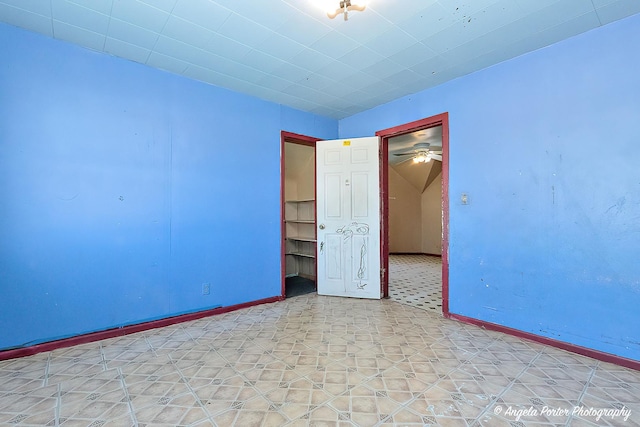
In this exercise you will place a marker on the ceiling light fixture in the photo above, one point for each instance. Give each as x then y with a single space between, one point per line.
421 157
347 6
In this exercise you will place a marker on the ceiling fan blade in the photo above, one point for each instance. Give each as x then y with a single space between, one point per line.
436 156
404 154
404 161
396 162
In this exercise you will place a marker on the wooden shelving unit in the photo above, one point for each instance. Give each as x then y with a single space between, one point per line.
300 235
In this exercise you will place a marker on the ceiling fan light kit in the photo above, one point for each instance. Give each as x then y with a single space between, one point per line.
422 153
421 157
346 6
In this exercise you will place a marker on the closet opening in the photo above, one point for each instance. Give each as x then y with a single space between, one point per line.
298 195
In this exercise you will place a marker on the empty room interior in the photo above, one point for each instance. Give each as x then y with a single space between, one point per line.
290 213
415 219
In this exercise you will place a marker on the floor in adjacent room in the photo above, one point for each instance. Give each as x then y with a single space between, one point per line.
416 280
316 360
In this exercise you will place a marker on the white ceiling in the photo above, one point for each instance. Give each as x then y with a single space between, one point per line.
289 52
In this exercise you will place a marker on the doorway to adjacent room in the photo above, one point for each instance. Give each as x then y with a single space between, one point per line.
414 180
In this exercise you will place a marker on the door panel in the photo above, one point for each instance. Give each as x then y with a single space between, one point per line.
359 195
348 217
332 199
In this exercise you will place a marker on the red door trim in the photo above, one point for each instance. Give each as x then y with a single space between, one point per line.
385 134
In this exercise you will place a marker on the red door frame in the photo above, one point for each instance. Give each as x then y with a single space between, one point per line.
385 134
295 139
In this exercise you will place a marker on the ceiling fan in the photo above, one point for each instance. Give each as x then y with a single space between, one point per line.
422 153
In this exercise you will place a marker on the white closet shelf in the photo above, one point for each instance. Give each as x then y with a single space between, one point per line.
301 254
300 235
302 239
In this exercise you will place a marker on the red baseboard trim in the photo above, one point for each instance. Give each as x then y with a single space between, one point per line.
126 330
414 253
594 354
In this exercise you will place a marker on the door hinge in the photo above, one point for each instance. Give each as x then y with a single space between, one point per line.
382 271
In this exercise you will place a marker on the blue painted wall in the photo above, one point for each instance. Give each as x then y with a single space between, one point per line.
547 146
123 189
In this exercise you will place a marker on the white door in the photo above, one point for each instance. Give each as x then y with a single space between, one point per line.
348 217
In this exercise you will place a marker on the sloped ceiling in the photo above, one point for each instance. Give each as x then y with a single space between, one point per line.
419 175
290 52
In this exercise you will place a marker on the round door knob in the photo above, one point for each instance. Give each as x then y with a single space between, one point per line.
321 226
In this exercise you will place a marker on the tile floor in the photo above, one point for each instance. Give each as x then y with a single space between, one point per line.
416 280
314 360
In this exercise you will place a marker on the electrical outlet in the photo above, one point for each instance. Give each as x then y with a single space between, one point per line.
206 288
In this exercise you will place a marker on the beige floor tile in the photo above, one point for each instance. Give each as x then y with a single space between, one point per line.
313 360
